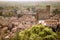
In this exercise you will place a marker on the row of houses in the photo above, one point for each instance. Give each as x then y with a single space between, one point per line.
38 13
11 19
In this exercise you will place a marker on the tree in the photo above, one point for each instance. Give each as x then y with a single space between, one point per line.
38 32
56 11
1 8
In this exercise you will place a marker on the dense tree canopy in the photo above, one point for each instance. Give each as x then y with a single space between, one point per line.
38 32
56 11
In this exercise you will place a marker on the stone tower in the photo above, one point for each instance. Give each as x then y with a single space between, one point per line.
48 8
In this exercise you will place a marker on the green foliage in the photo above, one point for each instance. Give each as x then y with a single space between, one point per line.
56 11
38 32
49 37
1 8
58 35
9 14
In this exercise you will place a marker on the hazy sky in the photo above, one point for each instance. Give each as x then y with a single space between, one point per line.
29 0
